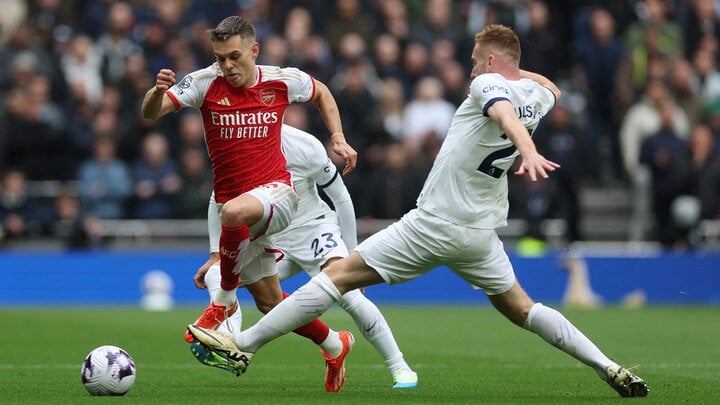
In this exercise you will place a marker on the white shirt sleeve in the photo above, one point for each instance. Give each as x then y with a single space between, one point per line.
190 91
344 209
214 224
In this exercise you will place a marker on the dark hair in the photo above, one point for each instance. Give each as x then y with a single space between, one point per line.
231 26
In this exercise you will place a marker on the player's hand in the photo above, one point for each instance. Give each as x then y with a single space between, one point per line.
535 166
199 278
346 152
164 79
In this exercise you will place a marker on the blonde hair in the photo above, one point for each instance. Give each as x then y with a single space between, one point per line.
500 39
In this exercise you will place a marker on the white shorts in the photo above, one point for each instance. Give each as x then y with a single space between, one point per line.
420 242
309 246
280 202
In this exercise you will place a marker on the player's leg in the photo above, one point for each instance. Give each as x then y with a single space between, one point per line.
485 265
555 329
551 325
232 324
238 215
287 268
264 210
375 329
267 294
322 291
304 305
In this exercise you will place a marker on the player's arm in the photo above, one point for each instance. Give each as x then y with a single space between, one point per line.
328 108
156 102
543 81
533 164
214 229
340 197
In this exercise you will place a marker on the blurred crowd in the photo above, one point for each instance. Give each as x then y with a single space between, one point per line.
641 105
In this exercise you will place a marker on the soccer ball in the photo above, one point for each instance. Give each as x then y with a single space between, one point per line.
108 370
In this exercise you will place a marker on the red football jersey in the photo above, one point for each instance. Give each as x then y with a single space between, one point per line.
242 124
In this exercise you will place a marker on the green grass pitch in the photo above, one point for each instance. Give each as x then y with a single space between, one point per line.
462 355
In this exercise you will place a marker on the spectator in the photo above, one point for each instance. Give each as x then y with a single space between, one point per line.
181 57
700 22
654 19
116 44
198 39
20 215
276 51
454 80
438 22
396 186
651 43
197 184
76 230
349 18
442 52
394 19
562 142
352 49
392 107
132 127
352 89
711 118
31 140
386 57
641 121
81 65
505 12
415 65
14 13
317 58
191 134
665 153
708 76
298 27
263 14
685 90
156 180
544 44
704 179
213 11
427 114
104 183
154 38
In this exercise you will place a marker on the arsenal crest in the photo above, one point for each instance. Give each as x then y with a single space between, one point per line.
267 96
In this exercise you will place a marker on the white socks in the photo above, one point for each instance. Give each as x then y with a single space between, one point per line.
225 297
374 327
212 281
552 326
304 305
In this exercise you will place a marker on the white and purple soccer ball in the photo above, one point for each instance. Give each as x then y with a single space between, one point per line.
108 370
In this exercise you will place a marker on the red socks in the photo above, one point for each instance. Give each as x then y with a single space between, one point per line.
233 243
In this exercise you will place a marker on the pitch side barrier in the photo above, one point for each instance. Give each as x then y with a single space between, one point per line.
114 278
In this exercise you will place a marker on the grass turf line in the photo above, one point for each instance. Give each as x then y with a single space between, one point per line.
462 355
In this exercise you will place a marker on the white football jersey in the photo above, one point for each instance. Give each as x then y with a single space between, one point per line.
309 164
467 183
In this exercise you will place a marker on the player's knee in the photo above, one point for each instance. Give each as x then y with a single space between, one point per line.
230 212
234 213
265 305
